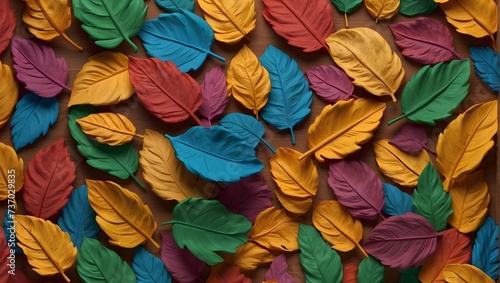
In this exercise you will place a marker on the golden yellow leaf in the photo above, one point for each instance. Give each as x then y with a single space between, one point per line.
275 230
295 205
8 93
12 168
376 69
249 256
103 80
248 81
121 214
341 128
469 200
382 9
465 273
109 128
399 166
49 250
230 20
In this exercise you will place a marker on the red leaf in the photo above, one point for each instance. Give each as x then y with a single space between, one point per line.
227 274
350 273
19 277
7 24
4 260
48 181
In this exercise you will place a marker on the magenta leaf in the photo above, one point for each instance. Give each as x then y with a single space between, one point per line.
402 241
357 187
248 197
425 40
214 96
38 67
330 83
277 271
411 138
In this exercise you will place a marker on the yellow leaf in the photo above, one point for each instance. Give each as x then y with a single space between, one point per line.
249 256
230 20
275 230
121 214
465 273
341 128
466 140
49 250
382 9
376 69
399 166
48 19
295 205
103 80
248 81
469 200
8 93
166 175
12 177
109 128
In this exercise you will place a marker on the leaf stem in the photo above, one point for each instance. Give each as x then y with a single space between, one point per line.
65 277
396 119
138 182
382 216
293 135
218 57
67 88
362 250
346 21
154 243
429 149
72 42
139 135
271 148
196 119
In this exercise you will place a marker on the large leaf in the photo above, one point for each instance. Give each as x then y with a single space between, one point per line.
417 7
486 65
370 270
275 230
148 268
458 273
247 127
485 248
8 93
108 128
397 202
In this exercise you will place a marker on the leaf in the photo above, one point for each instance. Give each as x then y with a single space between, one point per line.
402 241
330 83
11 168
248 81
248 197
397 202
486 66
7 28
103 80
110 23
173 6
275 230
216 154
350 271
400 167
149 268
485 248
411 138
370 271
8 92
78 217
5 252
213 96
278 271
46 256
347 6
249 256
290 99
340 129
452 248
183 38
108 128
303 24
206 227
382 9
96 263
425 40
463 273
466 140
49 181
411 8
38 67
32 118
409 275
121 214
319 261
378 69
164 91
227 274
246 127
231 21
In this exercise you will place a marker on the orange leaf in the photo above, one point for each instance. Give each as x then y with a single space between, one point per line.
227 274
350 273
249 256
275 230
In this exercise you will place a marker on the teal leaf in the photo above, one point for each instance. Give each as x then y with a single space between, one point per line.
347 6
409 275
216 154
486 66
183 38
33 117
411 8
485 248
149 268
397 202
290 97
370 270
175 6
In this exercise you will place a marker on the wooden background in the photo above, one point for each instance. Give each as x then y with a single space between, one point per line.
258 41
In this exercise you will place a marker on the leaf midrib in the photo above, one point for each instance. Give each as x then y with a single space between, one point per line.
229 16
41 70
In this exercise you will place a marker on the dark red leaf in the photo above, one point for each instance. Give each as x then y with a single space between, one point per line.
7 24
350 273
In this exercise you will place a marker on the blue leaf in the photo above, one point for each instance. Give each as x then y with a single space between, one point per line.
290 97
485 249
78 217
9 231
32 118
149 268
486 65
173 6
183 38
247 127
397 202
216 154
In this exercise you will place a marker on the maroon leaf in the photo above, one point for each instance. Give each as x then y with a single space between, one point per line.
330 83
278 271
350 273
7 25
4 259
411 138
214 96
19 277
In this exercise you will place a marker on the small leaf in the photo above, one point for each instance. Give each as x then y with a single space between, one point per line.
462 273
275 230
247 127
486 66
11 168
330 83
7 28
149 268
485 249
109 128
8 92
4 259
397 202
350 273
278 270
411 138
174 6
249 256
227 274
382 10
213 95
370 271
412 8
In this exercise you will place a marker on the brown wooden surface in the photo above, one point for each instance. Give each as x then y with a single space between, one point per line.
258 41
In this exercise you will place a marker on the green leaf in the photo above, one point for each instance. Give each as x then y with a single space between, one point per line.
417 7
111 22
431 200
206 227
347 6
95 263
370 271
435 91
320 263
409 275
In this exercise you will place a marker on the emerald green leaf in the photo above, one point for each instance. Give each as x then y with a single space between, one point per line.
435 91
370 271
417 7
347 6
110 22
95 263
206 227
320 263
409 275
430 199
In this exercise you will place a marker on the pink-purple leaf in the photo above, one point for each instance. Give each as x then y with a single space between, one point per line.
330 83
411 138
38 67
402 241
214 96
278 271
357 187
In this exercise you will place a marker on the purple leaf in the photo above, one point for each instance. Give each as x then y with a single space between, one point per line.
249 196
425 40
38 67
182 264
357 187
402 241
214 96
277 271
411 138
330 83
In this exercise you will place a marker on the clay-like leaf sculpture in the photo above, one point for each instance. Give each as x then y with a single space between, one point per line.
247 128
109 128
485 248
4 260
412 8
275 230
278 271
227 274
382 9
486 66
347 7
8 93
249 256
213 95
7 27
458 273
397 202
330 83
350 273
370 271
173 6
149 268
11 168
411 138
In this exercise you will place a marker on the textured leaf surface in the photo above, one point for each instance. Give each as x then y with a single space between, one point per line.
411 8
382 9
330 83
173 6
350 271
8 93
249 256
370 271
275 230
486 66
109 128
278 271
463 273
245 126
397 202
347 6
13 166
227 274
7 25
409 275
213 96
485 248
148 268
411 138
4 260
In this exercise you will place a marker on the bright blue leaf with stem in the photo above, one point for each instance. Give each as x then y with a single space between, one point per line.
149 268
